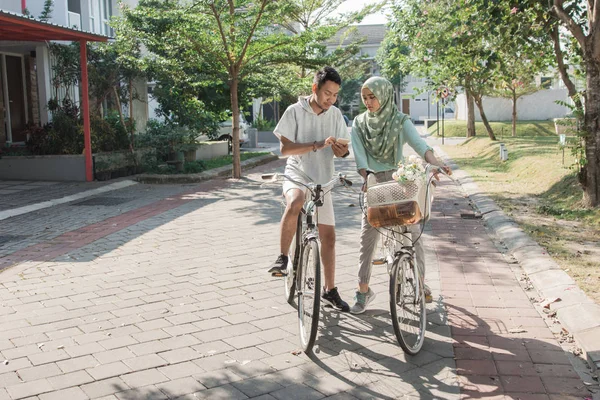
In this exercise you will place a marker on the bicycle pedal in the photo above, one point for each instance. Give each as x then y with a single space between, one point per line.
278 274
379 261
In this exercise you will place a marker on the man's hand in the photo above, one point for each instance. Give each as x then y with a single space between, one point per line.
339 149
327 142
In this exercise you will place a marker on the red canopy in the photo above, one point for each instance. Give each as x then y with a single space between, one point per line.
16 27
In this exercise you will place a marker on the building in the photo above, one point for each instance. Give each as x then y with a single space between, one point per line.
26 66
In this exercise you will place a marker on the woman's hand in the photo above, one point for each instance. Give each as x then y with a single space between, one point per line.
444 167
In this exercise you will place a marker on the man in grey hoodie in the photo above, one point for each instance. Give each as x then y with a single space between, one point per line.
308 132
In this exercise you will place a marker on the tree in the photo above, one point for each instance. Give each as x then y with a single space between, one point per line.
47 10
225 45
227 41
582 21
388 51
447 47
523 52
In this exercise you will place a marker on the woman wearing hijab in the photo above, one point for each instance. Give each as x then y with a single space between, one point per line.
378 136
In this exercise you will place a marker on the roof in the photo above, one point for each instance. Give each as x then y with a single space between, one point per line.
372 34
22 28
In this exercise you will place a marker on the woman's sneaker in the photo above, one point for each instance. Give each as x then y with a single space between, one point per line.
332 298
362 301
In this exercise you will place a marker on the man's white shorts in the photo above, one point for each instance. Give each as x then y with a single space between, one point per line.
325 213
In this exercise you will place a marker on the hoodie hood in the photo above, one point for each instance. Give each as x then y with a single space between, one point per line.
304 102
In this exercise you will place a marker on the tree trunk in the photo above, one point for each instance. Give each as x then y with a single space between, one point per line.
470 114
118 101
514 112
479 101
591 170
235 108
562 69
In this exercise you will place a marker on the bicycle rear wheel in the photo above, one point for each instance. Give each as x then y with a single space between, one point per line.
289 281
407 304
309 294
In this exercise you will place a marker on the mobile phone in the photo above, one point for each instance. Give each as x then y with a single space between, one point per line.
343 141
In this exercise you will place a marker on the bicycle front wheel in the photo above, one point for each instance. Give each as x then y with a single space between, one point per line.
309 294
407 304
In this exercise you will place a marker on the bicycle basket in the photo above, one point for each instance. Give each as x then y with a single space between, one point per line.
392 203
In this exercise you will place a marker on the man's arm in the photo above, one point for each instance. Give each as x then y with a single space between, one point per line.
289 148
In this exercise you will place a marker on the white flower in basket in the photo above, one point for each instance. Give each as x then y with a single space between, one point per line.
409 170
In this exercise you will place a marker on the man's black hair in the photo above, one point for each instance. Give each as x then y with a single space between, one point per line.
327 74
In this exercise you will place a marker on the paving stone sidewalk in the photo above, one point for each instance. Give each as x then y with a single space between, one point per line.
165 296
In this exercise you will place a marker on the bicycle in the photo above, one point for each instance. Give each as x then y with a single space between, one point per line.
399 206
305 282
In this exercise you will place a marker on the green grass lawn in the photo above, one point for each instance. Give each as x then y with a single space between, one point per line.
539 192
502 130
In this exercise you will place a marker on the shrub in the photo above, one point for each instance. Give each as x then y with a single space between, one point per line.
108 134
166 139
263 124
64 135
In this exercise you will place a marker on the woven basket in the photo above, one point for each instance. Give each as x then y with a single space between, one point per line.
391 203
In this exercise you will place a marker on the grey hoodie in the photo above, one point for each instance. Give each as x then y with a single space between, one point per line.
301 124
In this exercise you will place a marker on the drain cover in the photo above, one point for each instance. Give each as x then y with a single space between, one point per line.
102 201
470 215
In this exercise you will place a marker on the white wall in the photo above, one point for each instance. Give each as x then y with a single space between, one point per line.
537 106
11 5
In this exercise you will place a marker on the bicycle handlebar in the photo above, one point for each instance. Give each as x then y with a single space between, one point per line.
340 179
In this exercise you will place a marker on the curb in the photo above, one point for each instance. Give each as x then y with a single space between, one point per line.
206 175
13 212
575 311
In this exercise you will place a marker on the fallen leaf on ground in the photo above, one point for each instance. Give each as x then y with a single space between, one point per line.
517 330
546 303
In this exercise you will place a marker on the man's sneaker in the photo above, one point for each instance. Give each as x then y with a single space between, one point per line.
333 299
279 267
362 301
428 295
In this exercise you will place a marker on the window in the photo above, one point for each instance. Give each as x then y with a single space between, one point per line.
74 6
106 10
100 14
92 16
546 82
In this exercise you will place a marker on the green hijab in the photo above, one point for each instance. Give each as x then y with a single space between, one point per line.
380 131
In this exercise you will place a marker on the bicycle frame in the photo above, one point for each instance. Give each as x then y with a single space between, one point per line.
404 271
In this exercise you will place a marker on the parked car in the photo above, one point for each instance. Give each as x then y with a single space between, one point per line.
348 123
226 129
